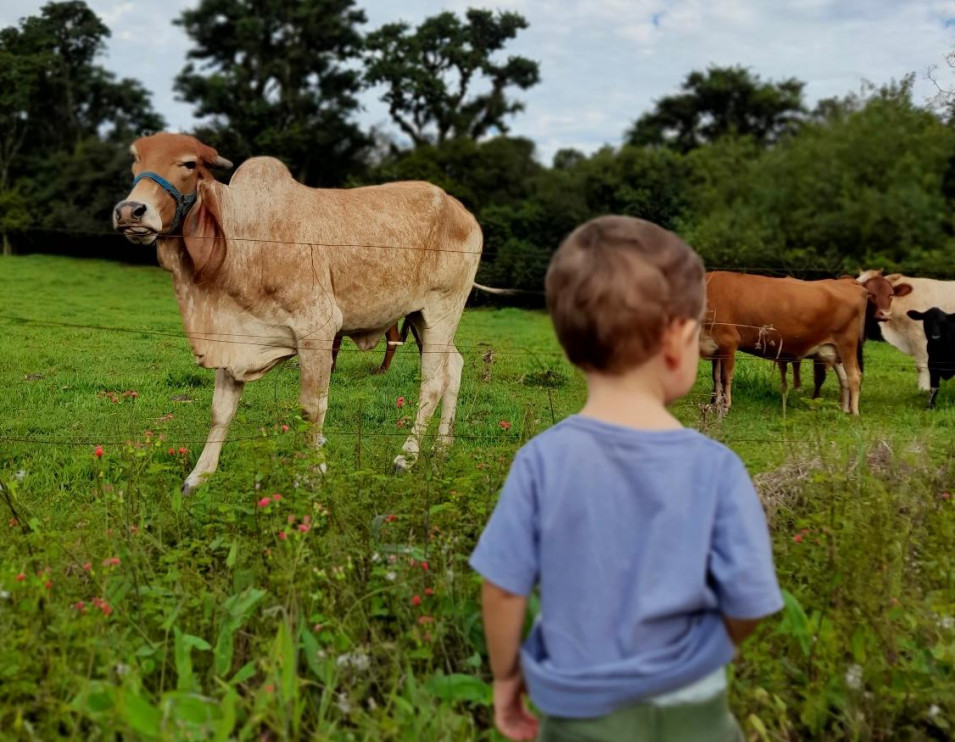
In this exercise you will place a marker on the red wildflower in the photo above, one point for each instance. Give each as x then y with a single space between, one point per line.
80 606
134 530
183 451
401 423
172 451
98 452
21 577
285 428
304 527
276 497
111 562
400 402
391 518
416 600
424 566
87 566
505 425
270 688
265 502
798 538
48 584
282 535
425 619
429 591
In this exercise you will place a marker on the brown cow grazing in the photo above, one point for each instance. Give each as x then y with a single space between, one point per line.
784 319
266 268
393 338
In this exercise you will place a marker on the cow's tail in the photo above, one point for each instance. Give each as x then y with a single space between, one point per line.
859 354
500 292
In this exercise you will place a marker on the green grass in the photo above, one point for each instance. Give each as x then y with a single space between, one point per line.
217 628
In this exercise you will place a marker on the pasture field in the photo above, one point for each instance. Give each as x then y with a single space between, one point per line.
344 608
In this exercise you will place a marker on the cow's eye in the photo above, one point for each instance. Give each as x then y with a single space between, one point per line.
189 165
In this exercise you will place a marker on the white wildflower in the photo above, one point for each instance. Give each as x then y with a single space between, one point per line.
946 622
934 710
854 677
4 595
343 705
371 704
122 669
20 475
358 660
376 557
391 576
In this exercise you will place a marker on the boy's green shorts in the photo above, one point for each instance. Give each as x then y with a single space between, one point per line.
708 721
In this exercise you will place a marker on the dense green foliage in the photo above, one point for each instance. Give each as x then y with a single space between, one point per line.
146 615
275 79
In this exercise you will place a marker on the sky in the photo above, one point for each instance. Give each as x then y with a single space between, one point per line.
604 62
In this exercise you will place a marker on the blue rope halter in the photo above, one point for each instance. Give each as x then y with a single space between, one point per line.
184 201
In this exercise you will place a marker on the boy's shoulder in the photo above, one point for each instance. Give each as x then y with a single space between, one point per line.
569 434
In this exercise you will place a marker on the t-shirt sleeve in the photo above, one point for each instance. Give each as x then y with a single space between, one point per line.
741 556
506 554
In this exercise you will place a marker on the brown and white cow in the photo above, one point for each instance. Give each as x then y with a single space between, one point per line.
910 294
784 319
266 268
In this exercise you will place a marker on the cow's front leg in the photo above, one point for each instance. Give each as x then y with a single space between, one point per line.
935 381
225 401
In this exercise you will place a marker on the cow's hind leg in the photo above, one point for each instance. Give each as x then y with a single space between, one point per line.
225 401
797 375
727 365
717 397
441 366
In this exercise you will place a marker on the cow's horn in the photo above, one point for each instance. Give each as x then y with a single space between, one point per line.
221 161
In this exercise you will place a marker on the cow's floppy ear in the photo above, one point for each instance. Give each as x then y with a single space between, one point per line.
915 315
902 289
203 233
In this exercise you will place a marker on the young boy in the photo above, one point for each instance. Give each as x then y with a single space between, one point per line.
647 539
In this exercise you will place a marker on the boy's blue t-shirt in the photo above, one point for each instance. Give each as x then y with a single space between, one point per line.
639 541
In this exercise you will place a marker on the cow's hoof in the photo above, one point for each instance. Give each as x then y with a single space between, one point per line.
187 488
401 464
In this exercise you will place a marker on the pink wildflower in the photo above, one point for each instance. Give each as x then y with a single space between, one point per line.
282 535
416 600
285 428
111 562
265 502
400 402
429 591
270 688
21 577
425 620
48 584
318 627
80 606
505 425
98 452
172 451
304 527
291 519
183 450
87 566
424 566
798 538
276 497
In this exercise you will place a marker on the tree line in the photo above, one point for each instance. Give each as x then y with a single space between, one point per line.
741 167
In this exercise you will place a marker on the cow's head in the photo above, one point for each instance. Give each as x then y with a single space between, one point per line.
934 321
882 290
171 173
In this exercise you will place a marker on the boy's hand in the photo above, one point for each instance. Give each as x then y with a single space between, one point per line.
512 718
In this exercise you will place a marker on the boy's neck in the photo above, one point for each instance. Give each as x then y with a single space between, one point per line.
635 399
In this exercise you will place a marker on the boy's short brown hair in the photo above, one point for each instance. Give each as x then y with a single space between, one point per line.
613 287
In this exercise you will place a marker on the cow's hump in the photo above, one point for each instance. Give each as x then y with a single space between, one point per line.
261 172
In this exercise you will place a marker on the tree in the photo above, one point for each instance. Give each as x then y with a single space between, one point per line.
274 80
721 101
58 106
429 73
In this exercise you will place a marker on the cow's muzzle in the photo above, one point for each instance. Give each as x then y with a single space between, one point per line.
128 218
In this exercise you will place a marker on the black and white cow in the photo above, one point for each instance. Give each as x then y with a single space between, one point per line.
939 330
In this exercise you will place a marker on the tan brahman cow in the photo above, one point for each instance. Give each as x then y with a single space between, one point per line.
266 268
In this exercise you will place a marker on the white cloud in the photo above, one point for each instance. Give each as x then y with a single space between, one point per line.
603 62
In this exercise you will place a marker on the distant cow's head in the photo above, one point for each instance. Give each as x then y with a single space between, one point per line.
882 289
935 322
169 173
